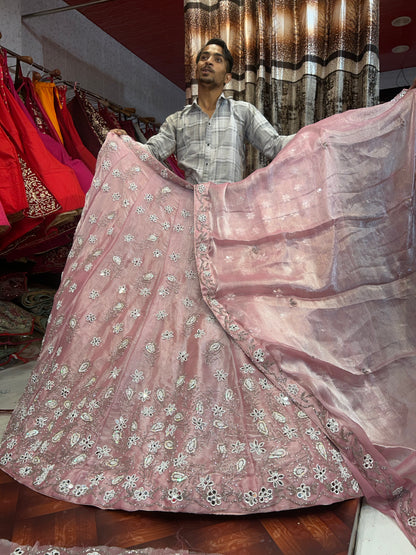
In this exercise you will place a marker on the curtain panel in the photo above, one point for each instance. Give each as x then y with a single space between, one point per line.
297 61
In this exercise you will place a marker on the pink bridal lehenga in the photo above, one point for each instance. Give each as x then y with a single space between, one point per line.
237 348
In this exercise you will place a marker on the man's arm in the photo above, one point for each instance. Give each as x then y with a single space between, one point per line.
163 144
262 135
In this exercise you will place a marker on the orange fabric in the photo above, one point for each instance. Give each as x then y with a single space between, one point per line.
46 93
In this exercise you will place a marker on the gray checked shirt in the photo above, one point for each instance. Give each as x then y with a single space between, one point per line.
213 149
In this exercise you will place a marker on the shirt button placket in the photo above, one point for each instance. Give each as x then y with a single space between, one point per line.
208 151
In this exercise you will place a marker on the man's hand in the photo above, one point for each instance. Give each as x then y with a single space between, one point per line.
118 131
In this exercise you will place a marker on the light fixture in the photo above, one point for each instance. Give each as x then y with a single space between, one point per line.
401 21
400 49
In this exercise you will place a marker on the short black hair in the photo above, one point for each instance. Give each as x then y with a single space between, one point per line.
227 54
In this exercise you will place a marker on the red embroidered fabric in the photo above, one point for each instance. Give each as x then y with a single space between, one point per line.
90 125
72 140
12 188
59 179
19 138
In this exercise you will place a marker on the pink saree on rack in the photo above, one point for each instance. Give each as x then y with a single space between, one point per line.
236 348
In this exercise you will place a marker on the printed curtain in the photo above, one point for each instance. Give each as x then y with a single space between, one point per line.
298 61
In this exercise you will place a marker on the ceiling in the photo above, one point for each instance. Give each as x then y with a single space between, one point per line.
391 36
154 31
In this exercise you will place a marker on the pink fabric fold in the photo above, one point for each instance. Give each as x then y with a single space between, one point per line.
311 262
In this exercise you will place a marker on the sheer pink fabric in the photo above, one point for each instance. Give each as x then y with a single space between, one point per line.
312 262
288 383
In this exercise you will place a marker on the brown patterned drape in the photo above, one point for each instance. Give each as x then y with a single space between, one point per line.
298 61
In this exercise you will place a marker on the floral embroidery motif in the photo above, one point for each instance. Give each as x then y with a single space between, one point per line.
139 394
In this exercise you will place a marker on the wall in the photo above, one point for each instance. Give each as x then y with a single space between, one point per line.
11 28
84 53
397 78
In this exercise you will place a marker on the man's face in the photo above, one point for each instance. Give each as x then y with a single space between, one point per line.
212 67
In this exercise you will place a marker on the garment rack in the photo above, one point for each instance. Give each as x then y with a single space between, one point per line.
56 74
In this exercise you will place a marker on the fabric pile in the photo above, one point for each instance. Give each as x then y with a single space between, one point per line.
23 324
39 302
18 341
24 312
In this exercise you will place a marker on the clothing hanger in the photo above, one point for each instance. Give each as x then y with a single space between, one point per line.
56 74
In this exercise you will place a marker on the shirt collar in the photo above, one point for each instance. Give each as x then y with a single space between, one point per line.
195 104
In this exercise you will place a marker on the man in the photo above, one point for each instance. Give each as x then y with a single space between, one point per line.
208 136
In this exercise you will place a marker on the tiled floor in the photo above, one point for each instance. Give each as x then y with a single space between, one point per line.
376 533
379 535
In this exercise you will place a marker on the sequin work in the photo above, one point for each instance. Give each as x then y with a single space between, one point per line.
138 398
235 348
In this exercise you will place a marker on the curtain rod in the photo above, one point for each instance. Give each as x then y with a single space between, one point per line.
57 74
64 9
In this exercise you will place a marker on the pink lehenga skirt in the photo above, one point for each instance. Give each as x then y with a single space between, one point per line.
236 348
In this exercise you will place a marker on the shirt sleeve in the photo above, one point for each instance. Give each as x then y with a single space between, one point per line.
163 144
262 135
